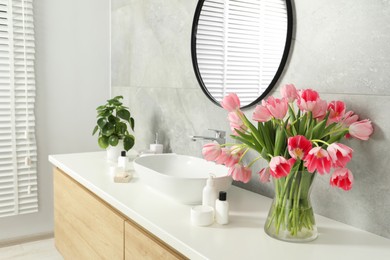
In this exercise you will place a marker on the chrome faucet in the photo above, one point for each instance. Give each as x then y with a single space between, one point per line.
220 137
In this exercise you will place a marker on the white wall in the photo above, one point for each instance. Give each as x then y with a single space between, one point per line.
340 48
72 78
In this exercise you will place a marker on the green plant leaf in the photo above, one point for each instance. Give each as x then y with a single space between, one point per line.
249 140
336 138
101 122
112 119
302 125
244 141
124 114
108 129
280 141
269 136
121 128
95 130
253 129
113 140
132 123
103 142
128 142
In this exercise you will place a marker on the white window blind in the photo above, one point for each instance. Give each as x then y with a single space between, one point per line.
240 44
18 151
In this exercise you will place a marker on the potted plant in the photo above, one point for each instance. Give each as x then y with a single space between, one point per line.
113 120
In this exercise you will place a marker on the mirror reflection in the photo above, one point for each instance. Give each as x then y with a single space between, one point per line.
240 46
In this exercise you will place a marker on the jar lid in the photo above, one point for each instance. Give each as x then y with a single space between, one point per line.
202 215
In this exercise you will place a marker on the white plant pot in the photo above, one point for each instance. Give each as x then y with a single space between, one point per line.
113 152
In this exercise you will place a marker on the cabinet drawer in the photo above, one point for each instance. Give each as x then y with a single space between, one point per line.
140 244
85 226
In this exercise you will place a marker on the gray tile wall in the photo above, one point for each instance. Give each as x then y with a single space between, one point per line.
340 48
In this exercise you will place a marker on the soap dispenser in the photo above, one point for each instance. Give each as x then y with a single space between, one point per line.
123 161
156 147
209 193
222 209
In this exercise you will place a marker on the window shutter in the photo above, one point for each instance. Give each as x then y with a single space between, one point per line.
18 151
240 44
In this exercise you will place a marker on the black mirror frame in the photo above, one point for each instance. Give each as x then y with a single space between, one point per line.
278 72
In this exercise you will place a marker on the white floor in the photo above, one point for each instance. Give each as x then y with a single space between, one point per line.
37 250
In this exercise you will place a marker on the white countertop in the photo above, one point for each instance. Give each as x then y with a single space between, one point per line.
242 238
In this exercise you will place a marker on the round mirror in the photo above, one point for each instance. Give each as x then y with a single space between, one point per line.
240 46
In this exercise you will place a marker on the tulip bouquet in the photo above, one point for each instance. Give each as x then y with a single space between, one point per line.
299 136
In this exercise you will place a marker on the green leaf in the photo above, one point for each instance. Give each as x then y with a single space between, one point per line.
113 140
121 128
104 113
280 141
269 136
100 107
253 129
112 119
95 129
128 142
101 122
124 114
103 142
244 141
291 113
302 126
337 137
132 123
319 129
108 129
250 139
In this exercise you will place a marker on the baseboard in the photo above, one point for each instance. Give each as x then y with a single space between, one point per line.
26 239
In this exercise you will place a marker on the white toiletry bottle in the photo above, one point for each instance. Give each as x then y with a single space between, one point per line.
222 209
209 193
156 147
123 161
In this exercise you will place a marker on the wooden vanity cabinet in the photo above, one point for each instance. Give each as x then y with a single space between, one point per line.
86 227
139 244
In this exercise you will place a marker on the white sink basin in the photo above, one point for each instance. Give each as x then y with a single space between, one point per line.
180 177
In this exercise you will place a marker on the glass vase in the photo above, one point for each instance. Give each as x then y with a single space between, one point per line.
291 216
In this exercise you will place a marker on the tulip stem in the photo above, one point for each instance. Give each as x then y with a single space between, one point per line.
250 165
335 131
319 141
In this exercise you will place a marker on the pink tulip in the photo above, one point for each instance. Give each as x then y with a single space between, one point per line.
342 178
231 102
280 166
211 151
349 118
277 107
340 154
361 129
240 173
233 159
261 114
319 160
319 109
224 156
264 175
309 100
306 99
236 122
289 92
298 146
337 111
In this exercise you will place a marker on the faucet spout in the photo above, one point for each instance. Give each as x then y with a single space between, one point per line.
219 137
